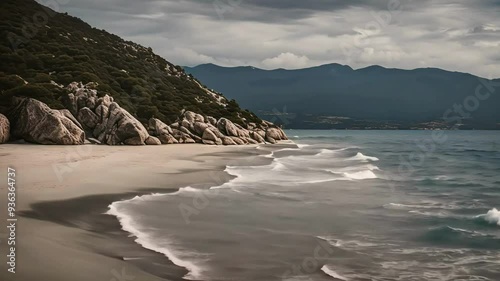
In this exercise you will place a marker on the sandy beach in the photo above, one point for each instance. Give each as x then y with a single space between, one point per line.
63 192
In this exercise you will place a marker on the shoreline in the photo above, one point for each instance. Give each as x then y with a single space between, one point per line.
63 224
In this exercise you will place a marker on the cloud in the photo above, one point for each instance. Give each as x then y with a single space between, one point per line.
458 35
286 60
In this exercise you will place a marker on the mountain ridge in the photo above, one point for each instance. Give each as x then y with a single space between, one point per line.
373 97
336 65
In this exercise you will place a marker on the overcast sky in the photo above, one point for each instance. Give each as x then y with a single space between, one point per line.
460 35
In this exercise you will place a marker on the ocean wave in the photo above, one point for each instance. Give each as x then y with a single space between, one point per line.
361 157
347 244
330 272
354 168
447 235
148 242
279 167
491 217
326 151
457 205
431 205
361 175
441 215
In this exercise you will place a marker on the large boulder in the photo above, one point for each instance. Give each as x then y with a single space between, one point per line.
162 131
120 127
182 137
168 139
238 140
257 136
188 125
81 96
66 113
282 134
35 122
211 120
4 129
157 127
251 141
152 141
228 141
275 134
87 118
216 131
242 132
210 138
190 134
106 100
192 117
200 127
227 127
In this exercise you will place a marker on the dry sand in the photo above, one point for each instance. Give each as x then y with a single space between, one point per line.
63 191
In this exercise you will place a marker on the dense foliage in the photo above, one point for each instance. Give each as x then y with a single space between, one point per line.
40 46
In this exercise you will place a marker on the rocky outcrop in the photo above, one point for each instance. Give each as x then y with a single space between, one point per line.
4 129
35 122
209 137
257 136
88 119
275 134
193 127
102 121
227 127
120 127
162 131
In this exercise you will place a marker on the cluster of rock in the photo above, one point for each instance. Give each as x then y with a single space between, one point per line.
35 122
101 120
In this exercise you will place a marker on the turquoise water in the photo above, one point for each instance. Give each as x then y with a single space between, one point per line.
344 205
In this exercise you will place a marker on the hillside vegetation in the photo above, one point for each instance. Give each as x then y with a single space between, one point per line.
40 48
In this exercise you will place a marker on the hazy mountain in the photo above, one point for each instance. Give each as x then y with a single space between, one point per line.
336 96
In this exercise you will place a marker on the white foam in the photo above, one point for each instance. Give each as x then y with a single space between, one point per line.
325 151
361 175
436 214
422 205
361 157
146 241
351 169
493 216
332 273
279 167
347 244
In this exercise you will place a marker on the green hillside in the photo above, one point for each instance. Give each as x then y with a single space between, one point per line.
41 46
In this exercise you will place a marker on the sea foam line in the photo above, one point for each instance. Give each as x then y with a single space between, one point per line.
332 273
146 241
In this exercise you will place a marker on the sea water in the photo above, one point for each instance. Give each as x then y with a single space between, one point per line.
343 205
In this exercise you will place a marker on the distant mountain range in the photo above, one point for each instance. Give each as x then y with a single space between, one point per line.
337 96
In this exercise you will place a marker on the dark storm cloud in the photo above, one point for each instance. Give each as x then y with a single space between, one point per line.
461 35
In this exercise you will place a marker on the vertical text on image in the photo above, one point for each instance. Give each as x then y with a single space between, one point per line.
11 219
